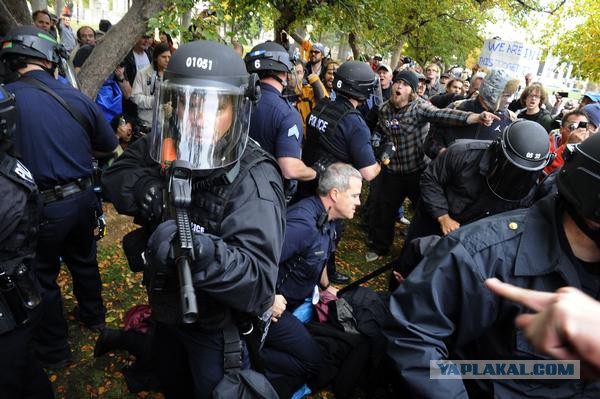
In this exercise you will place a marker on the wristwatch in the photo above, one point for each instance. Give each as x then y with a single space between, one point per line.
121 80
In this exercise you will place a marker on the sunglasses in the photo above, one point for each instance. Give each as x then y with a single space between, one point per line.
579 125
314 51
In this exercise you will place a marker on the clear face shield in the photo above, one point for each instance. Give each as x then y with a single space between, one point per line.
377 94
206 126
66 70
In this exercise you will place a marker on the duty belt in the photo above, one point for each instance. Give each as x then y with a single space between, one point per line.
59 192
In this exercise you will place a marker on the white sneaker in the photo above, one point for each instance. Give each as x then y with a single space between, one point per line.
371 256
404 220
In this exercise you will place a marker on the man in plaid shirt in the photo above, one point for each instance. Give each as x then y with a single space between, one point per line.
403 124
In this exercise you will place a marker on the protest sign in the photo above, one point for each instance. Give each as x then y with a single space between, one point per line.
516 57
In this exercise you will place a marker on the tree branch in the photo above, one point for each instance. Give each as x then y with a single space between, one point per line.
538 9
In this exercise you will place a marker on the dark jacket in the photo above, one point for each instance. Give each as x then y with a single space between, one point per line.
543 117
454 184
442 137
243 271
444 311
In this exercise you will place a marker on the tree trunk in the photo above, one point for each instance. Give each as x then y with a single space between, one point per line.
12 13
116 44
58 8
281 24
396 55
343 48
39 5
353 42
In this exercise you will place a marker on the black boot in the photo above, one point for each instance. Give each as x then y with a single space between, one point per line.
108 340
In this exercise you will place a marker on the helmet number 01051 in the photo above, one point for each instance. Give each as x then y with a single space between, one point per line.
199 62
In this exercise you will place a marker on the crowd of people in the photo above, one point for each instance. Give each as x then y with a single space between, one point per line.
240 171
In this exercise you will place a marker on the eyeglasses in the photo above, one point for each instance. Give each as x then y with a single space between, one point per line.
534 96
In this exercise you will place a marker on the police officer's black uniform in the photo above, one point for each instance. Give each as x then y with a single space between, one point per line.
57 149
443 310
236 212
21 375
474 179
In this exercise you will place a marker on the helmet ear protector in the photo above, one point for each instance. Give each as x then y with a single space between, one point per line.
253 91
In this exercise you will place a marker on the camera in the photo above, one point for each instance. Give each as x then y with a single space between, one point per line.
406 60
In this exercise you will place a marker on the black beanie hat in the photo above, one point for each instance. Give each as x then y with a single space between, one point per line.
409 77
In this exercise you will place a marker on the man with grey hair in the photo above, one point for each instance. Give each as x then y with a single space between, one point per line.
290 354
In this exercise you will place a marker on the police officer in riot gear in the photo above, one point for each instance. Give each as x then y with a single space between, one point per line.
276 124
444 309
237 211
58 128
336 132
21 375
474 179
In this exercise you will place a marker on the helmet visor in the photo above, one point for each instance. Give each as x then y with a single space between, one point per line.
509 182
206 126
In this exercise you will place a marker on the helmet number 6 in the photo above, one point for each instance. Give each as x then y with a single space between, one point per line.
257 64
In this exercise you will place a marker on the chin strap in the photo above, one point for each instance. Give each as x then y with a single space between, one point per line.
580 222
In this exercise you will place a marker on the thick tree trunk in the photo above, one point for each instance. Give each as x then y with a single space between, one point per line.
12 13
116 44
353 42
60 4
39 5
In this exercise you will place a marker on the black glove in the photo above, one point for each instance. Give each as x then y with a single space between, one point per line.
150 199
159 245
320 168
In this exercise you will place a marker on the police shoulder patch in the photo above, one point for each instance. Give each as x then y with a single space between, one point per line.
293 131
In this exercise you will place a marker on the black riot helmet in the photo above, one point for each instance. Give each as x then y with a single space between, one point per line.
202 109
519 157
579 179
355 79
267 59
8 115
31 42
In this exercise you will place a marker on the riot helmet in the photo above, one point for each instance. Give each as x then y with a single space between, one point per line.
30 42
355 79
579 179
8 115
519 157
202 108
268 58
25 43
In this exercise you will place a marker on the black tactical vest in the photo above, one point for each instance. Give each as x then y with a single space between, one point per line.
20 243
324 141
210 201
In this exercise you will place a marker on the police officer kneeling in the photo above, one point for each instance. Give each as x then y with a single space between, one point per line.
236 212
21 375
